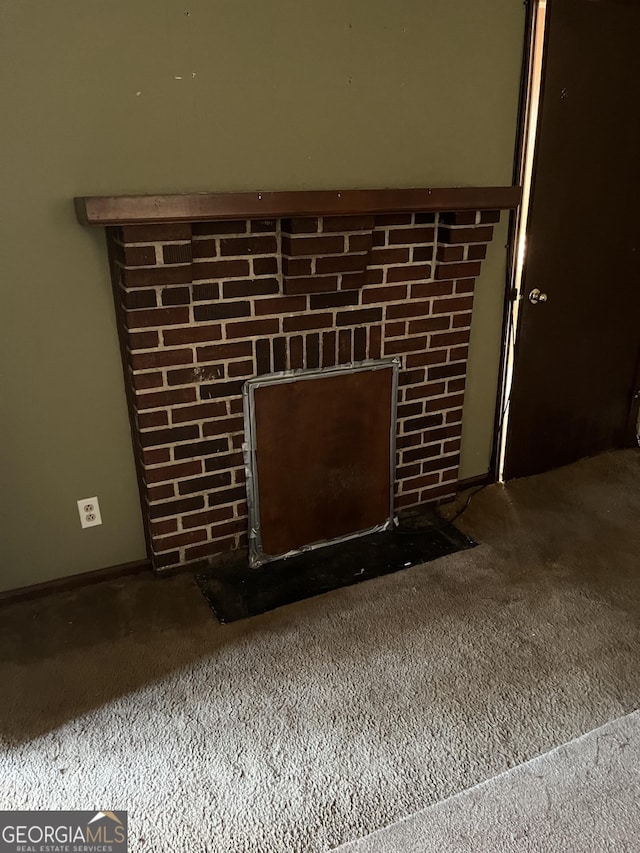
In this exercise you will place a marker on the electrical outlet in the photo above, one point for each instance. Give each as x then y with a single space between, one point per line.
89 510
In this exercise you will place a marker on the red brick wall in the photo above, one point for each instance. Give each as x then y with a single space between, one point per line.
204 306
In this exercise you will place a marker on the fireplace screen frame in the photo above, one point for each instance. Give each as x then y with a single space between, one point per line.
257 555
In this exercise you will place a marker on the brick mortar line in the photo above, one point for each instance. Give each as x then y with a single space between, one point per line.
199 493
202 421
434 253
232 235
199 238
187 477
436 409
201 457
279 258
143 244
165 386
161 265
472 225
159 289
206 509
244 256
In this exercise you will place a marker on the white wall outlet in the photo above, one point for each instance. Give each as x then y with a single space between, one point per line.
89 510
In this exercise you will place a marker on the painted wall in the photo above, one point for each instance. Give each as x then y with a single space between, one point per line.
137 96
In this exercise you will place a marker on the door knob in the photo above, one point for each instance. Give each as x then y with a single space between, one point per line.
536 296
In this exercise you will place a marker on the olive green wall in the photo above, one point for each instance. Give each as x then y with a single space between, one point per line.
131 96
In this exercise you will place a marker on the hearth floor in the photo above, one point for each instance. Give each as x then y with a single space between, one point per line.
235 591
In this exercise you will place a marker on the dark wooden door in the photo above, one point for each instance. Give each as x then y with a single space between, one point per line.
577 353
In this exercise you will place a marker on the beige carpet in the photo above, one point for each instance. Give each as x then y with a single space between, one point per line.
579 798
319 723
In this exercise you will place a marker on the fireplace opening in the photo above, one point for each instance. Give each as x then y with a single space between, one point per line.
319 456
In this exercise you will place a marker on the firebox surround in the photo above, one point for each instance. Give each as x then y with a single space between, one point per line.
214 289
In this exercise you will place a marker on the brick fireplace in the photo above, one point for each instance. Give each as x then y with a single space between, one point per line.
211 293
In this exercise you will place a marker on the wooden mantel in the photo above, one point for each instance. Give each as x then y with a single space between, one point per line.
208 206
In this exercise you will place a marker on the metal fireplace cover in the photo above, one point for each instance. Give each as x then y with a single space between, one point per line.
257 554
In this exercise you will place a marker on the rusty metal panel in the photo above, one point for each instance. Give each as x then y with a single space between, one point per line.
320 456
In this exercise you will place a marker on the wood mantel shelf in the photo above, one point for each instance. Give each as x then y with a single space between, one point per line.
207 206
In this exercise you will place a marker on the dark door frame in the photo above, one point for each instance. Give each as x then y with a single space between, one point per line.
534 50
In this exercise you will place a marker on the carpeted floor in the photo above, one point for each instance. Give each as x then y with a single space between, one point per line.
323 721
582 797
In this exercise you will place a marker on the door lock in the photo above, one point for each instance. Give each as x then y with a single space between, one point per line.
536 296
